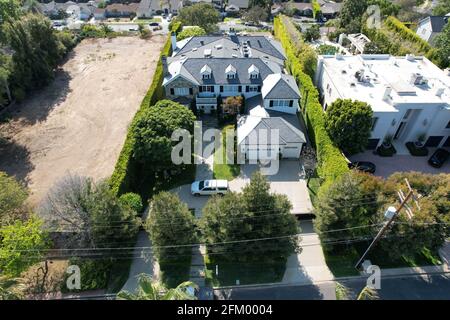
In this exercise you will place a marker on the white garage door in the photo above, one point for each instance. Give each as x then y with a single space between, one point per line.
260 154
291 152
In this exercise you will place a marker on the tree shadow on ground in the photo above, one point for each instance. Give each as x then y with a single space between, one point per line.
15 160
38 105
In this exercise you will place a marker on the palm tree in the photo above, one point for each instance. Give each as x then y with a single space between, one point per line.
10 288
368 293
153 290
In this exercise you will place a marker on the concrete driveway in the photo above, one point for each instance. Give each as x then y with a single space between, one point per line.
400 163
309 265
287 181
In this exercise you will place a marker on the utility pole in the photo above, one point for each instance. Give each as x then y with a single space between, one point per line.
392 212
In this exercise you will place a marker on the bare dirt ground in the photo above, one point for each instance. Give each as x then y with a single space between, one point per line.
78 124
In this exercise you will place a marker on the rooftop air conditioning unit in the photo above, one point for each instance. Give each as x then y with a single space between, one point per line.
416 79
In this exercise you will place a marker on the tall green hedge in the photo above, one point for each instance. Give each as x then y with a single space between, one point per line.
413 43
331 163
125 175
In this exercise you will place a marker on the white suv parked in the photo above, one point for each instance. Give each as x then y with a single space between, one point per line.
209 187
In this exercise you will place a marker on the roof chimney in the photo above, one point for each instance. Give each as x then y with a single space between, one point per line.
174 41
166 72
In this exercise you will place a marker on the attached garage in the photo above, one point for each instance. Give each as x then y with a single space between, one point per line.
266 138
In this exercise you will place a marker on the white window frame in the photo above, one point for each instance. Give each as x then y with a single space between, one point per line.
184 91
226 88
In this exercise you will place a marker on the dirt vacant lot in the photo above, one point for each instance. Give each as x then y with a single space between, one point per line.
78 124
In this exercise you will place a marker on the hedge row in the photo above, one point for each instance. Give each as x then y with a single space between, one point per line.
387 44
125 175
331 163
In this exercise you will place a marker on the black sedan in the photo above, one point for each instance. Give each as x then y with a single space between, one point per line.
364 166
438 158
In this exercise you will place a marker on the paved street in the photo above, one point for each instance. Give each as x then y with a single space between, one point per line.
400 288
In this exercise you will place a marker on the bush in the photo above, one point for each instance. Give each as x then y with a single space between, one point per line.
383 151
94 273
331 163
416 151
132 200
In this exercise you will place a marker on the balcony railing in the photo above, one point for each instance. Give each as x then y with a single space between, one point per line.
211 99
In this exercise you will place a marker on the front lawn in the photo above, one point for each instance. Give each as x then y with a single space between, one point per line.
225 171
313 187
342 262
246 273
175 271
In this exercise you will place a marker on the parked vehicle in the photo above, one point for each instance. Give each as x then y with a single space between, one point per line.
364 166
438 158
209 187
154 24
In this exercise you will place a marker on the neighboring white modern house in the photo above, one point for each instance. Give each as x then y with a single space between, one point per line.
203 70
409 96
429 27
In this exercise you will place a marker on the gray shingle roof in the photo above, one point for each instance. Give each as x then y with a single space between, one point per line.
280 86
287 132
438 23
258 43
218 66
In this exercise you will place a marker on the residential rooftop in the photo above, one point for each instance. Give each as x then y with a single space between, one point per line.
232 46
384 81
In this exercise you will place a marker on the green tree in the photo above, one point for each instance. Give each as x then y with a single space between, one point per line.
144 32
410 237
350 17
254 214
442 44
348 123
387 8
191 32
37 51
256 15
152 290
102 4
203 15
152 132
12 199
312 33
170 223
353 200
91 211
22 244
372 48
132 200
442 8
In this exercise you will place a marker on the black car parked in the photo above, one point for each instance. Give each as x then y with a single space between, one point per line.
438 158
364 166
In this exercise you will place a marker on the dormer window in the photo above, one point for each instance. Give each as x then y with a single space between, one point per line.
230 72
206 72
253 72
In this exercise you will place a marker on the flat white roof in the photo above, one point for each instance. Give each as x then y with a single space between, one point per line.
382 71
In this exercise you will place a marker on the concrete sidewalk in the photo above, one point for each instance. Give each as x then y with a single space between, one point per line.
309 266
